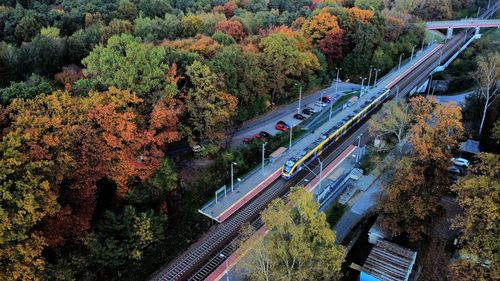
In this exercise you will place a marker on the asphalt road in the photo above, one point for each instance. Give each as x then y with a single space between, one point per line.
459 99
285 113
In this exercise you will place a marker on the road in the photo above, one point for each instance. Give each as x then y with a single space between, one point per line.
459 99
285 113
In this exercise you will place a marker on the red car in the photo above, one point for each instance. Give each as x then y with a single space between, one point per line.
281 127
326 99
247 140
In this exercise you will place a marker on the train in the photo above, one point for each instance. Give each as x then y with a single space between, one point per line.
297 162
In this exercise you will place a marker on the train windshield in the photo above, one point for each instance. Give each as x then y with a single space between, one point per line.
288 166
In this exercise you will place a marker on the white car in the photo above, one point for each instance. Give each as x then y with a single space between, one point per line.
461 162
312 109
319 103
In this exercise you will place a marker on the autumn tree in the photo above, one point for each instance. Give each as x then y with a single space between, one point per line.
487 76
325 34
394 119
283 60
127 63
27 198
479 196
233 28
298 245
208 110
411 200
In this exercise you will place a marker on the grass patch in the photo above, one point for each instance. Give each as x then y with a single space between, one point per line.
334 213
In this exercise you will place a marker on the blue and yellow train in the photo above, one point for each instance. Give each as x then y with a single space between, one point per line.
296 163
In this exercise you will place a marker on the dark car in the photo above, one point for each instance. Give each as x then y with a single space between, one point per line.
283 123
307 111
265 134
299 116
326 99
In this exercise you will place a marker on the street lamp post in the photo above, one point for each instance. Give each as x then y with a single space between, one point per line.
422 48
362 84
290 145
412 50
336 88
300 97
397 93
320 172
369 77
232 176
227 266
358 155
400 57
430 82
376 73
263 155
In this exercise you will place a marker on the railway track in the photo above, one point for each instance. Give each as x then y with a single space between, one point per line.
200 261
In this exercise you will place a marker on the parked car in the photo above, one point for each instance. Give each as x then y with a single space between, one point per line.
247 140
307 111
198 148
453 179
284 124
454 170
313 110
319 103
326 99
265 134
259 137
281 127
299 116
461 162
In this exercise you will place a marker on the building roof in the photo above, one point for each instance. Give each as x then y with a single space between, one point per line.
389 262
470 146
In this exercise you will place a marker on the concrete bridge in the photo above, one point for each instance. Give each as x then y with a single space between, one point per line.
466 23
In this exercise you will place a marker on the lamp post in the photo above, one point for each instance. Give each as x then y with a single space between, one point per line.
362 83
300 97
400 57
263 155
320 172
358 156
397 93
369 77
430 82
290 145
422 48
376 73
412 50
232 176
336 88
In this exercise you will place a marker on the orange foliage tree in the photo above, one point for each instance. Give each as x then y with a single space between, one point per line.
412 199
324 33
233 28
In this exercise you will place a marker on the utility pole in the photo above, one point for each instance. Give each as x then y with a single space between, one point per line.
336 88
412 50
320 172
300 97
369 77
263 156
358 155
400 57
232 176
362 83
430 82
376 73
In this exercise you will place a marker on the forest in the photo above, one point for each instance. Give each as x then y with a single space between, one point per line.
93 94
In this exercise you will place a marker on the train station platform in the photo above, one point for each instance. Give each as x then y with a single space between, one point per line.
227 201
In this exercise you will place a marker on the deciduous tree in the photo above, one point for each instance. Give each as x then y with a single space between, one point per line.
479 195
487 76
325 34
209 111
298 245
394 119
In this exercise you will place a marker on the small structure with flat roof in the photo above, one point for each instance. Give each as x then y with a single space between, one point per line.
388 262
470 146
